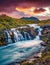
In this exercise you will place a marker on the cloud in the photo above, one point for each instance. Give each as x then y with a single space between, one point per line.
10 5
39 10
43 17
23 8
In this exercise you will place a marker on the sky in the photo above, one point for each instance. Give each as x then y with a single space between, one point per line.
26 8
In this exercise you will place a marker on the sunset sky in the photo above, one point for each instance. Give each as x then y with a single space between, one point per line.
26 8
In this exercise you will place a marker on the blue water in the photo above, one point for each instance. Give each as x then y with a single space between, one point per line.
17 51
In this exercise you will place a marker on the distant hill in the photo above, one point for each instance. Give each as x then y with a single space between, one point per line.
30 18
7 22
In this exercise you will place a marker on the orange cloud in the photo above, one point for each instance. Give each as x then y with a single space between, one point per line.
39 10
26 10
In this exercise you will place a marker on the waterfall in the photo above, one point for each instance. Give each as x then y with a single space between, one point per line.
7 37
27 36
17 35
20 37
35 26
39 33
13 35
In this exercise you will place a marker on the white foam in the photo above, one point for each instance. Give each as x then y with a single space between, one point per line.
33 25
29 43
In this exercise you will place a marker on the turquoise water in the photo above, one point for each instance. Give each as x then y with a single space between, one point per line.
18 51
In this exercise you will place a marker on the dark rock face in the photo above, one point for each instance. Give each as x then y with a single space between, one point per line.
36 30
46 26
29 30
45 34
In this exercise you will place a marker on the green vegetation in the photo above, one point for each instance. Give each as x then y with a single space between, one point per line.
26 63
44 22
44 38
8 22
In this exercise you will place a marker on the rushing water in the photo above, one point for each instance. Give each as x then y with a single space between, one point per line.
20 49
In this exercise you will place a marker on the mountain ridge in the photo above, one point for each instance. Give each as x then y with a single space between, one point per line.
30 18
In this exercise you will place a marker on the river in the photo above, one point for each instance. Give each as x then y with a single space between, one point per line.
20 50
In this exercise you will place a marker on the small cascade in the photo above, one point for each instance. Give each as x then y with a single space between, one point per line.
7 37
20 37
27 36
38 30
15 36
39 33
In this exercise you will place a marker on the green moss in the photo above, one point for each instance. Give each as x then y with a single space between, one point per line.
24 63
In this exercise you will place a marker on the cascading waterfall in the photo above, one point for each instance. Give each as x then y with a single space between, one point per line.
35 26
15 36
39 33
19 35
7 37
27 36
